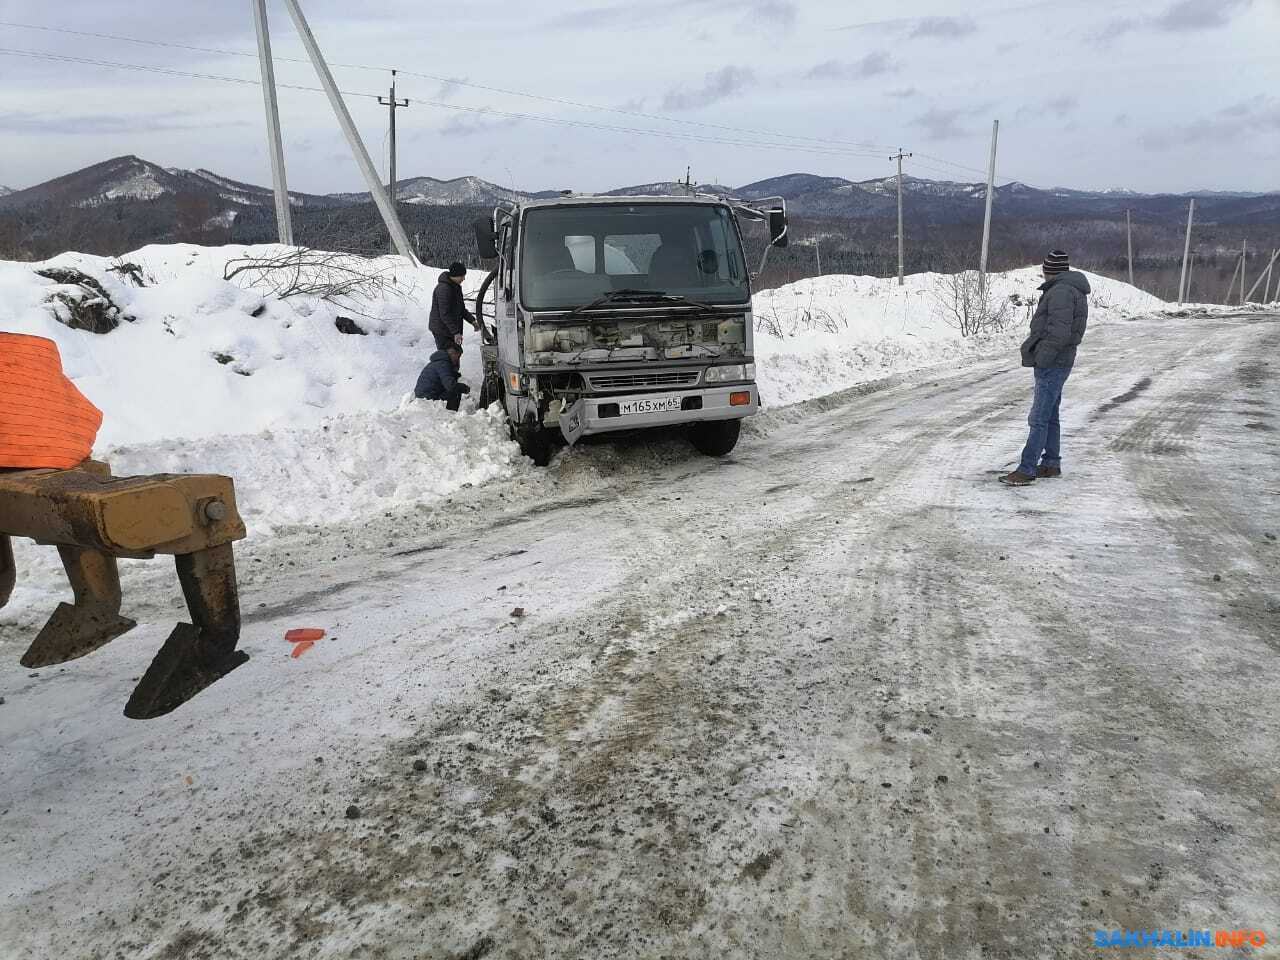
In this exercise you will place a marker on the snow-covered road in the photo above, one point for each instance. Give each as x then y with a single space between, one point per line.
838 695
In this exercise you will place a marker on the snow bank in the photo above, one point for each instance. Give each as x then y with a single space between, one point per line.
318 426
196 362
825 334
345 469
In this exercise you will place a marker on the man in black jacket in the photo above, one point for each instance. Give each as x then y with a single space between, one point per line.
1056 330
439 378
449 308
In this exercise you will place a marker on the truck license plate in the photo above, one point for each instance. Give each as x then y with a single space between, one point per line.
649 405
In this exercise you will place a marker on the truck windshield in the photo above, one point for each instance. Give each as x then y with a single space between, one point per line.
576 254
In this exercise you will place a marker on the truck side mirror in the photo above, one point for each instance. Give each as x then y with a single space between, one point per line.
486 239
778 228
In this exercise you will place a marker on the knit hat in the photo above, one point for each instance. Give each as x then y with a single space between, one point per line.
1056 262
458 269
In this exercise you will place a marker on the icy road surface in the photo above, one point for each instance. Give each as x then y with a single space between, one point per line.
839 695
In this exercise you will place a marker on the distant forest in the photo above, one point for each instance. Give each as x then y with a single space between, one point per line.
865 246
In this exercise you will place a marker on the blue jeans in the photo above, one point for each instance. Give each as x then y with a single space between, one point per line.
1045 438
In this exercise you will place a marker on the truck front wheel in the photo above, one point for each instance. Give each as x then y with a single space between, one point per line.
535 443
716 437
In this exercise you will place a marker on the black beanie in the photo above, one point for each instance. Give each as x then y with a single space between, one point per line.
1056 262
457 269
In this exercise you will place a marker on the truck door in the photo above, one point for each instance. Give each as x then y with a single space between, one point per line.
505 303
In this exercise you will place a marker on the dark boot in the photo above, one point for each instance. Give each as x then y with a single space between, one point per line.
1048 472
1017 479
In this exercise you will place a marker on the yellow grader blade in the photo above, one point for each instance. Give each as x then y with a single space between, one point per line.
94 518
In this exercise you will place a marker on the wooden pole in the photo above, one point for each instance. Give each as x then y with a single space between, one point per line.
1186 252
1266 274
986 219
901 245
1128 229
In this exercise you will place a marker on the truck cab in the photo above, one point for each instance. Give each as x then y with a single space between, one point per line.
609 314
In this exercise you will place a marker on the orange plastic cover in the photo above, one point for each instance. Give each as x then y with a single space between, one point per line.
44 420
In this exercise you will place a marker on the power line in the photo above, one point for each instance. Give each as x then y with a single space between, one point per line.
481 111
563 101
63 58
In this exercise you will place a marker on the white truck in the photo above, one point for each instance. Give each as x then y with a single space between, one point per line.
608 314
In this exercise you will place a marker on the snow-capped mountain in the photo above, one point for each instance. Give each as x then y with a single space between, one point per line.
667 188
131 178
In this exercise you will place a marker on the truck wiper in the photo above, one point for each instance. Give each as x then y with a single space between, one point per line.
636 296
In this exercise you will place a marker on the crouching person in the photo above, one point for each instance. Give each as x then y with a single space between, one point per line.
439 378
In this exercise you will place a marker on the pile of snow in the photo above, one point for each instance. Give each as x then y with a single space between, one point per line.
825 334
319 426
348 468
204 356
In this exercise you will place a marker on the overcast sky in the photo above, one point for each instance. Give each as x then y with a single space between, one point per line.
1171 95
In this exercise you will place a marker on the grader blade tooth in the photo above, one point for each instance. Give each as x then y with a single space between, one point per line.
74 631
92 621
198 653
181 669
8 571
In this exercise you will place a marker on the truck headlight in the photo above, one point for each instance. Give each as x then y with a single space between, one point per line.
731 372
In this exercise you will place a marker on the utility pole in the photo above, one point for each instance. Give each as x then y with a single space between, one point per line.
1191 273
1128 229
1186 253
392 103
1244 266
817 248
1264 275
1232 284
1266 290
275 148
986 220
371 178
901 246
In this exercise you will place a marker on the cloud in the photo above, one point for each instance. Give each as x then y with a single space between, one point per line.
872 65
102 124
904 93
474 124
939 124
771 13
1187 15
626 14
1259 115
717 85
1182 16
449 88
943 28
1060 106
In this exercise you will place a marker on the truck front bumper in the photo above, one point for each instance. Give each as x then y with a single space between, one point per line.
602 413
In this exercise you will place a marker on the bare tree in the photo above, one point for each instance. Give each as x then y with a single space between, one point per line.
969 305
345 279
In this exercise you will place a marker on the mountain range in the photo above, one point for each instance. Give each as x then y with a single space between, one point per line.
130 178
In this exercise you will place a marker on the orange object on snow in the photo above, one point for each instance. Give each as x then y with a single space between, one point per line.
301 647
304 633
44 420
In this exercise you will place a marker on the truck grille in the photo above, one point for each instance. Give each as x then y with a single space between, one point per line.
644 381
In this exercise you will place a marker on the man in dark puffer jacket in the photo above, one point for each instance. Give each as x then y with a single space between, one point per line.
439 378
1056 330
449 308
